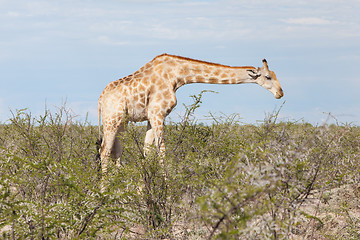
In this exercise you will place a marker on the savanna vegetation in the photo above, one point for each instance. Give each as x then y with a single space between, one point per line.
226 180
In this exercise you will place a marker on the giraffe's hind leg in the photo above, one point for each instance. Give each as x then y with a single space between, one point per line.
110 148
105 154
118 148
106 149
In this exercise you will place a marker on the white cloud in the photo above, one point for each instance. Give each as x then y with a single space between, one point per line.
85 109
356 83
106 22
309 21
108 41
12 14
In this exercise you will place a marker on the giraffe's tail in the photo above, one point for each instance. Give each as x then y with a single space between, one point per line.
99 140
99 118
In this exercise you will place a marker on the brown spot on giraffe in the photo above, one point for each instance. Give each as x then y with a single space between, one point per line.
162 87
200 78
170 75
154 78
171 63
141 88
185 70
213 80
165 75
139 75
224 75
217 72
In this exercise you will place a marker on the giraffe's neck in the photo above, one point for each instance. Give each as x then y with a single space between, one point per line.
194 71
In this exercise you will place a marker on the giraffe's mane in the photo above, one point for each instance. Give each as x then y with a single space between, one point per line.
204 62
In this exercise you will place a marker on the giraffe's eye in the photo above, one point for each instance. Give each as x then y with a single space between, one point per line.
268 77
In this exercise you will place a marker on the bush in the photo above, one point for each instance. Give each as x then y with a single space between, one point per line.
220 181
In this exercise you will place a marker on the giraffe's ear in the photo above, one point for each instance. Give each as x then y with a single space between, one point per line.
253 73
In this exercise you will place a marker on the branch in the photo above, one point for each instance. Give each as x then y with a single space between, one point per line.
231 211
88 219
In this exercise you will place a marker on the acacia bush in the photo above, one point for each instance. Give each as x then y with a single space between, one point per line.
225 180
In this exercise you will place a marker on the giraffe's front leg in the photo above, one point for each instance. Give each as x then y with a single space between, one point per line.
149 139
158 110
158 130
157 127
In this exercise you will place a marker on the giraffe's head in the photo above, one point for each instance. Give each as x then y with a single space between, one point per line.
267 79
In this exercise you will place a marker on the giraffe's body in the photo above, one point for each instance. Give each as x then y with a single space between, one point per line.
149 95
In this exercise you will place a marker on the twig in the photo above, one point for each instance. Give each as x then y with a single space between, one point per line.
88 219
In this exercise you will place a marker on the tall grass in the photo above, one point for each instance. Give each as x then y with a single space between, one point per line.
221 181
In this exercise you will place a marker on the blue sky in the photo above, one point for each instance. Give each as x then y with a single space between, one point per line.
56 51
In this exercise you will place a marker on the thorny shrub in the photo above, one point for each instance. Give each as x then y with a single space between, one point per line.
226 180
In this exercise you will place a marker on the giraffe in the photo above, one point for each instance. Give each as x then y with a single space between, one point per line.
149 95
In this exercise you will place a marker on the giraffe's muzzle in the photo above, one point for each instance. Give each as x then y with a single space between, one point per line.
279 94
